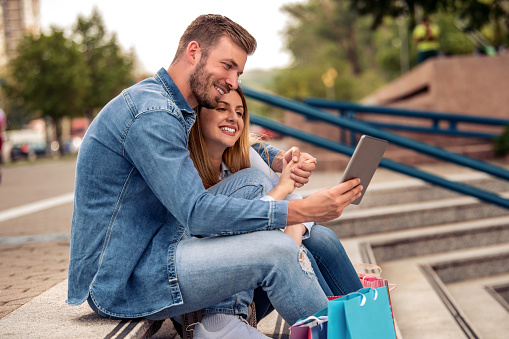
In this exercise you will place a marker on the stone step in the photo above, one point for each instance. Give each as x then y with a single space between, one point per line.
424 306
442 238
48 316
472 267
480 307
407 189
356 222
414 190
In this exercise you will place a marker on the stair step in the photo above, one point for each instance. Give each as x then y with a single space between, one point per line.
473 267
414 190
419 307
485 313
356 222
443 238
407 190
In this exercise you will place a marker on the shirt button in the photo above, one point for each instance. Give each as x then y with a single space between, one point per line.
170 259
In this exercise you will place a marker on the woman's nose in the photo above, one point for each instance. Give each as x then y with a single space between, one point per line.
232 116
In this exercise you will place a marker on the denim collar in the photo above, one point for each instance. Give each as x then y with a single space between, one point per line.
174 92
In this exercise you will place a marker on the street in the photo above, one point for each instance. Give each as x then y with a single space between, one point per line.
34 229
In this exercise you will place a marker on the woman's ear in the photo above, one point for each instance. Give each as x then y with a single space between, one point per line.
193 52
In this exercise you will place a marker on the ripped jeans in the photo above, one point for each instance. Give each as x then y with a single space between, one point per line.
216 270
321 257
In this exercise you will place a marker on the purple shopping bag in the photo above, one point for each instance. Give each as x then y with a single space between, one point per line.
313 327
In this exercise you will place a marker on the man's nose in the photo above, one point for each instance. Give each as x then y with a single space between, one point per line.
233 81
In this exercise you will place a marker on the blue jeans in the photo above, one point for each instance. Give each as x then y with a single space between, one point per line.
331 265
223 271
211 270
334 270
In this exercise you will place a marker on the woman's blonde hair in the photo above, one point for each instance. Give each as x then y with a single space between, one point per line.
235 157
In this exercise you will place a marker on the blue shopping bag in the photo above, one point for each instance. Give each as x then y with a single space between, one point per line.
362 314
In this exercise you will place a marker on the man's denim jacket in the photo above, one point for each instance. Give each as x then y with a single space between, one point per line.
136 193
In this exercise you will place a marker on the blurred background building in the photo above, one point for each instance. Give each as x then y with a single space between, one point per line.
17 17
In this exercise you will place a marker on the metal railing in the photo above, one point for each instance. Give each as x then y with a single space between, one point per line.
438 120
365 128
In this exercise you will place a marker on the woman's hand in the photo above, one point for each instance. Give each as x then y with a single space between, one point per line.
306 165
286 184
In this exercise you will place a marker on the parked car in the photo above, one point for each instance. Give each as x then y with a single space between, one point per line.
28 150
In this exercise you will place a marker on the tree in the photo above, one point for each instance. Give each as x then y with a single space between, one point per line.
109 70
325 35
325 27
49 77
475 13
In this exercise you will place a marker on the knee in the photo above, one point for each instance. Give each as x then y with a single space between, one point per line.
277 246
255 183
254 175
324 237
282 253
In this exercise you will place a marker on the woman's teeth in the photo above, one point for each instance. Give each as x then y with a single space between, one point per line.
228 129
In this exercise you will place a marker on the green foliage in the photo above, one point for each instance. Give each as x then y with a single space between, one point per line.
109 70
475 13
303 81
326 29
501 146
452 40
55 76
325 34
261 80
49 76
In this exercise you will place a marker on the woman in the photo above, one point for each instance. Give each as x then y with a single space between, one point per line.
220 144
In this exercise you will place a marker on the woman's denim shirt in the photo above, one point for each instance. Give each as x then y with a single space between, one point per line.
136 193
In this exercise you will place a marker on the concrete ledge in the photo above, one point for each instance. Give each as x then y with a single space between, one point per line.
48 316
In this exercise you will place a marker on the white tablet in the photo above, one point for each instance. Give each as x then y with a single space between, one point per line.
364 162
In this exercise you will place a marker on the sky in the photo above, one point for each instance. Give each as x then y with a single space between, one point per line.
153 27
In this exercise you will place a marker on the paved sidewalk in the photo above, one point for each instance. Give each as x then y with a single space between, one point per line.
30 266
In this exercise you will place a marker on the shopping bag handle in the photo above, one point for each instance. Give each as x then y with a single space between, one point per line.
321 319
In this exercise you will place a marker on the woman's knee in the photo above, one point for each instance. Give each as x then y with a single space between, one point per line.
322 237
249 183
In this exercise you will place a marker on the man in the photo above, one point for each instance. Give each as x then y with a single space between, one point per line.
148 240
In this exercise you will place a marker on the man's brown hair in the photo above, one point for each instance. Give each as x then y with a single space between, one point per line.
208 29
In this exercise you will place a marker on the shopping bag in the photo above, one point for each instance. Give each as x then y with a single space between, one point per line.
376 282
313 327
362 314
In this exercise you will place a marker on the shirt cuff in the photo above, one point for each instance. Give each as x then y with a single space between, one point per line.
308 226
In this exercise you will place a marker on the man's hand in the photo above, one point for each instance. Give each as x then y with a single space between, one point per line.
300 174
324 205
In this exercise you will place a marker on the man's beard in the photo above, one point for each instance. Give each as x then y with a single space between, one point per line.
200 84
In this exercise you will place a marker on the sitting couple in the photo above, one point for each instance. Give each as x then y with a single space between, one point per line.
149 241
220 145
